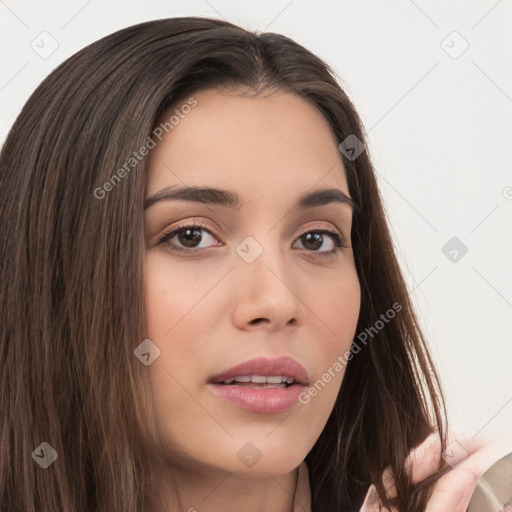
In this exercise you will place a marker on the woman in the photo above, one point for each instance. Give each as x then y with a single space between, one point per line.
201 304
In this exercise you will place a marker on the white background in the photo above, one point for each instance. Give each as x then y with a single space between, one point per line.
439 134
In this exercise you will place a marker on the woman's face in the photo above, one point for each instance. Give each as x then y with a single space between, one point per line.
261 279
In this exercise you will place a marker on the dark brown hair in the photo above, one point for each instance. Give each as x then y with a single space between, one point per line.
72 296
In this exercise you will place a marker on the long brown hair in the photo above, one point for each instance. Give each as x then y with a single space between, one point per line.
72 295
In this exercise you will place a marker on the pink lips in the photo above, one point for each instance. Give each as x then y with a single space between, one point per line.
266 366
262 400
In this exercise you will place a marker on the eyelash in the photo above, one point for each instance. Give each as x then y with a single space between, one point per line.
340 241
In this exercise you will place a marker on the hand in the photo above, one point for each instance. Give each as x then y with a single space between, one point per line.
468 458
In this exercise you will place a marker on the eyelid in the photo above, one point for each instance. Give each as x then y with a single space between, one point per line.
189 223
322 227
193 222
332 226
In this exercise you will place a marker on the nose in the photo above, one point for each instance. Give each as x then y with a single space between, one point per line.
266 293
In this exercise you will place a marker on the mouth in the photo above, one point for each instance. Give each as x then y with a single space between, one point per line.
259 381
262 385
261 372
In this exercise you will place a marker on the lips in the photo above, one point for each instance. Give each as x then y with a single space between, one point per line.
253 385
260 367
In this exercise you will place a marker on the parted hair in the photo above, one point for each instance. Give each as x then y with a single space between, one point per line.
72 305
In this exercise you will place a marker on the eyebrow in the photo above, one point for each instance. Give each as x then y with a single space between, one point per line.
229 199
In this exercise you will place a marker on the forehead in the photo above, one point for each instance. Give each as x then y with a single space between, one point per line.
273 143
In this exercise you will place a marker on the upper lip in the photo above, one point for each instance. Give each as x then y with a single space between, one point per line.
265 366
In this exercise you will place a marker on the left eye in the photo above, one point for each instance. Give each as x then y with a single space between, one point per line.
315 239
191 237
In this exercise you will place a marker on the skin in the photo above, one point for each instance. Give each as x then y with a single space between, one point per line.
209 309
452 492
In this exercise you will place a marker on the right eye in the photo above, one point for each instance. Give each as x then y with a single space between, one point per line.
188 235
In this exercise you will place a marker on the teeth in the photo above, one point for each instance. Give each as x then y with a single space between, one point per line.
260 379
243 378
273 380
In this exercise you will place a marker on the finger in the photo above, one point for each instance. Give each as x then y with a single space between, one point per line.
453 491
423 460
429 456
372 502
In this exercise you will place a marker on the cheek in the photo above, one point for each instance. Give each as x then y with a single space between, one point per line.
170 299
338 307
170 296
336 304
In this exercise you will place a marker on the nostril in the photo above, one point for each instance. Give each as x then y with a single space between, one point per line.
257 320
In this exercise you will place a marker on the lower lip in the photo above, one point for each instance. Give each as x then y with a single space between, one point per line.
262 400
